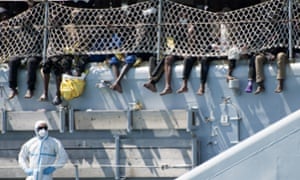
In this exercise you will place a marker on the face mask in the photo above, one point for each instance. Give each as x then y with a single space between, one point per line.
43 133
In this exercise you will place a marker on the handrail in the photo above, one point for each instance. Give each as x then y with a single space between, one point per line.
77 166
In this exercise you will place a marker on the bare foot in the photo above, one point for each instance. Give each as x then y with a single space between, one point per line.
150 86
28 94
43 98
116 87
166 91
13 93
182 90
278 89
200 92
259 89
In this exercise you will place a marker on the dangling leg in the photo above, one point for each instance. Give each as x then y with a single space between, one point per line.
201 89
32 66
251 75
115 65
184 86
260 87
168 76
156 71
232 64
45 72
129 61
281 63
57 99
279 87
259 70
46 78
151 86
205 63
13 64
188 64
117 84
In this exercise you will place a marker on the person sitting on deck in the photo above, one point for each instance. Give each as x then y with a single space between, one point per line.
129 62
60 64
157 69
14 63
256 69
187 69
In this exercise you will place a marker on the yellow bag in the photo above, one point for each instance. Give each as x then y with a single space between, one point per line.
120 56
72 86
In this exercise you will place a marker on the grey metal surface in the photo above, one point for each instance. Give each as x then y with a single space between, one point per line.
272 153
96 154
214 133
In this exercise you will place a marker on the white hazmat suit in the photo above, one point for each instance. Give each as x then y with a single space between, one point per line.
40 156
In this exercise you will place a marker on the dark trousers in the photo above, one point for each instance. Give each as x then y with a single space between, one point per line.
188 65
205 63
251 69
156 69
32 66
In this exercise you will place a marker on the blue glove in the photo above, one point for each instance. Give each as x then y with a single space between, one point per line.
49 170
28 172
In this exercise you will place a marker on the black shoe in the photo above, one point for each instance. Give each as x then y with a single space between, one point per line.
56 101
13 93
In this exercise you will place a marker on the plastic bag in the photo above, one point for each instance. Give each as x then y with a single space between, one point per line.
233 53
72 86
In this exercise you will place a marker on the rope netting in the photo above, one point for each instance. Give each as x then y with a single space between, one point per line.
22 35
296 24
102 31
178 29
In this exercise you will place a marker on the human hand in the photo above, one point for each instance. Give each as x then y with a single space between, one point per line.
270 56
49 170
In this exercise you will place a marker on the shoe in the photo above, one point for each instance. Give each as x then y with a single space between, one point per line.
56 101
29 94
43 98
248 88
259 89
13 93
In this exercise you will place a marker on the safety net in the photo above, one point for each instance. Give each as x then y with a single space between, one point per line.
153 26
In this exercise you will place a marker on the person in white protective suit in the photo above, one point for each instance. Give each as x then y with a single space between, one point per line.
41 155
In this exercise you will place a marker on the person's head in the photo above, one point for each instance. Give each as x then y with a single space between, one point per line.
41 129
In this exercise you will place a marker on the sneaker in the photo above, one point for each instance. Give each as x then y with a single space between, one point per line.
57 101
13 93
248 89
